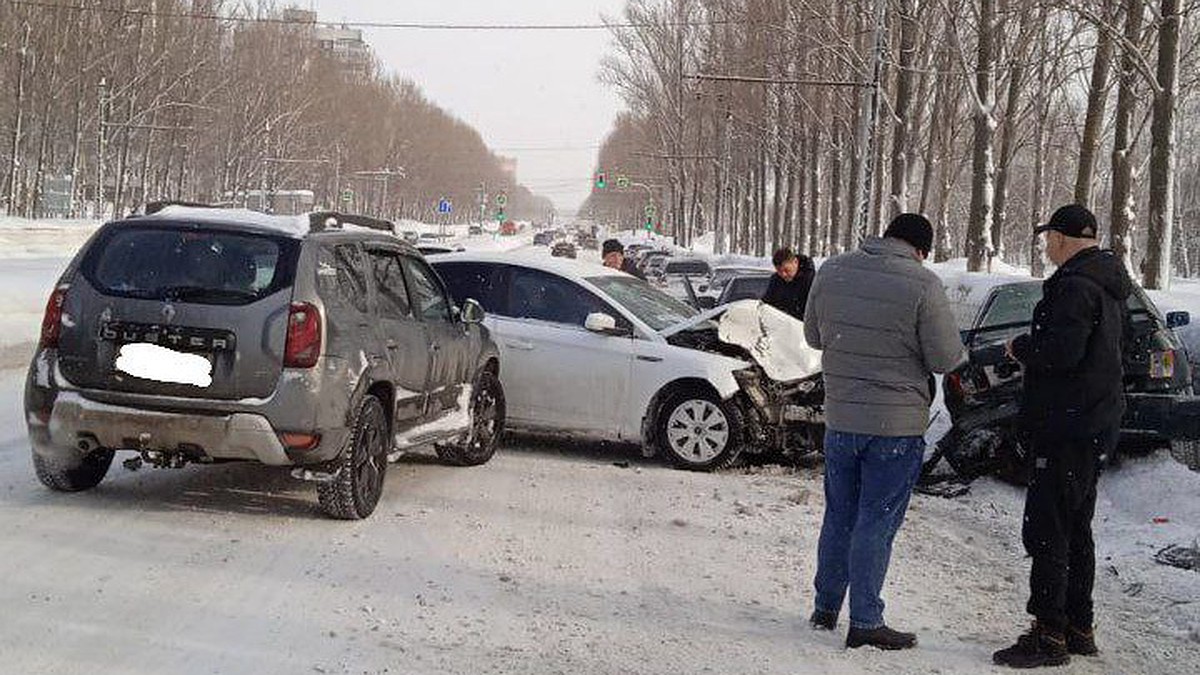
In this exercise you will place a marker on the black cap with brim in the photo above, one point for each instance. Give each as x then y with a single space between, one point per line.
1071 220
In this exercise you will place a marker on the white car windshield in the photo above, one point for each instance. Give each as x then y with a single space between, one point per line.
653 307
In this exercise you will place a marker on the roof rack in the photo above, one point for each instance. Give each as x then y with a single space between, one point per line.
152 208
319 221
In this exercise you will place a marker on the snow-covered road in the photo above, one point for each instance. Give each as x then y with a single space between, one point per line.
550 559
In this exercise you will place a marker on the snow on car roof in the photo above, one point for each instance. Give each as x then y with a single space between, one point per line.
576 269
289 225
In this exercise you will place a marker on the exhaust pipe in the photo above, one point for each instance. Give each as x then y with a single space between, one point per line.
87 444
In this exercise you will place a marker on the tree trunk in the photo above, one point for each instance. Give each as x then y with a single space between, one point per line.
1097 100
979 224
1122 215
1156 268
14 164
816 243
902 125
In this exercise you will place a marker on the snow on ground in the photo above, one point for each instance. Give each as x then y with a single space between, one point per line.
555 557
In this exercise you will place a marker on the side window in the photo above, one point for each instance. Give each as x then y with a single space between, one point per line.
390 288
341 276
481 282
427 294
544 297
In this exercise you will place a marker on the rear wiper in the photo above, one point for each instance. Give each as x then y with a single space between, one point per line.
198 292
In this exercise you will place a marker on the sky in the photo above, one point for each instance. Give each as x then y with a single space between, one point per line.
533 95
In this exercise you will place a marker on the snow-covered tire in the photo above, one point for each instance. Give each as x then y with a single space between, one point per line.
486 427
362 466
1187 452
695 430
64 477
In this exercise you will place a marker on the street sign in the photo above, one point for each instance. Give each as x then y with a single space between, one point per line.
502 200
445 207
649 210
623 182
347 195
601 180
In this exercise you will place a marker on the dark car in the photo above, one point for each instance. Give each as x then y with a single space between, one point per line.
203 335
563 249
983 396
543 238
474 230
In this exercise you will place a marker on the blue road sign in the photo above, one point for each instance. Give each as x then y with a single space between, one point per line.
445 207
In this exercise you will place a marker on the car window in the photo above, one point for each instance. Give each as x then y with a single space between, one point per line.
481 282
687 267
747 288
190 264
391 289
1011 304
341 277
541 296
426 291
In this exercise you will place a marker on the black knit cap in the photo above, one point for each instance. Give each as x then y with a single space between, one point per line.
1072 220
611 246
914 229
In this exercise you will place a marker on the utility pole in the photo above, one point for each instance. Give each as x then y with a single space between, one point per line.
867 119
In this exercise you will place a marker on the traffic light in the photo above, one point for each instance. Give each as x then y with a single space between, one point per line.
601 180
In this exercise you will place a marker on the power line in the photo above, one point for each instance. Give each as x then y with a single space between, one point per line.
400 25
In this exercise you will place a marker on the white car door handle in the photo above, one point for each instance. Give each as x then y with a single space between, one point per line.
649 359
520 344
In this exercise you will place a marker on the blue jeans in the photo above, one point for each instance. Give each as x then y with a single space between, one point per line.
868 481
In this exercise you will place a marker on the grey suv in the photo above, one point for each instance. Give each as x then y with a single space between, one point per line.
322 342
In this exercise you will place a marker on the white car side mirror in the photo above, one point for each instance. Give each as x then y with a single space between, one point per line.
598 322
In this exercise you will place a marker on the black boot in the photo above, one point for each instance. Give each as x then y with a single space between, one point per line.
881 638
823 620
1082 641
1039 648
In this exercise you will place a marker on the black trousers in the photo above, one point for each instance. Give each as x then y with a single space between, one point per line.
1057 530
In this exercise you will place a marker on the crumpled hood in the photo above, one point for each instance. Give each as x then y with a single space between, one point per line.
1102 267
773 338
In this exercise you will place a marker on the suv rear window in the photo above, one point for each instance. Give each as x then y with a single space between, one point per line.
690 267
190 264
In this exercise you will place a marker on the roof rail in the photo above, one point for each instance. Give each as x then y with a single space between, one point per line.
319 221
152 208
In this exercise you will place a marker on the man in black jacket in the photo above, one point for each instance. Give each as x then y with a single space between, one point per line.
789 286
1073 405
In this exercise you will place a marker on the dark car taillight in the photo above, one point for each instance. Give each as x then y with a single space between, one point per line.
1162 365
52 319
303 336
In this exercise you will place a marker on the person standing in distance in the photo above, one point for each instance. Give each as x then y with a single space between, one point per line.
884 324
1073 404
612 253
789 286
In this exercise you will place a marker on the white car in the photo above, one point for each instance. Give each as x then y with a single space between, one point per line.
595 353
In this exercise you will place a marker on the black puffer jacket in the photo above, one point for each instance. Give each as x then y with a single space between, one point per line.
791 296
1072 356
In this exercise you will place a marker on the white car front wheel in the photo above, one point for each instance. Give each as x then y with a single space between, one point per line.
698 431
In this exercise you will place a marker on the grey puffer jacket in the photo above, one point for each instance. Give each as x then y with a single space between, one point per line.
884 324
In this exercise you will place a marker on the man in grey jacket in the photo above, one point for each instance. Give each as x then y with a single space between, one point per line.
885 326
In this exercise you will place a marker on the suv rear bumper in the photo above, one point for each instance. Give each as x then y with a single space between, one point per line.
1168 416
75 420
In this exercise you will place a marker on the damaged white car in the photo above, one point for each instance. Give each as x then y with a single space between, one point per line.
593 353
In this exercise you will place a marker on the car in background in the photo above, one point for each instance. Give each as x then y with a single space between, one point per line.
563 249
983 395
652 265
721 274
410 236
746 286
680 383
543 238
207 335
474 230
508 228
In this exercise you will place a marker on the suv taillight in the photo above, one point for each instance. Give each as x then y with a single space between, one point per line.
1162 365
52 319
303 336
